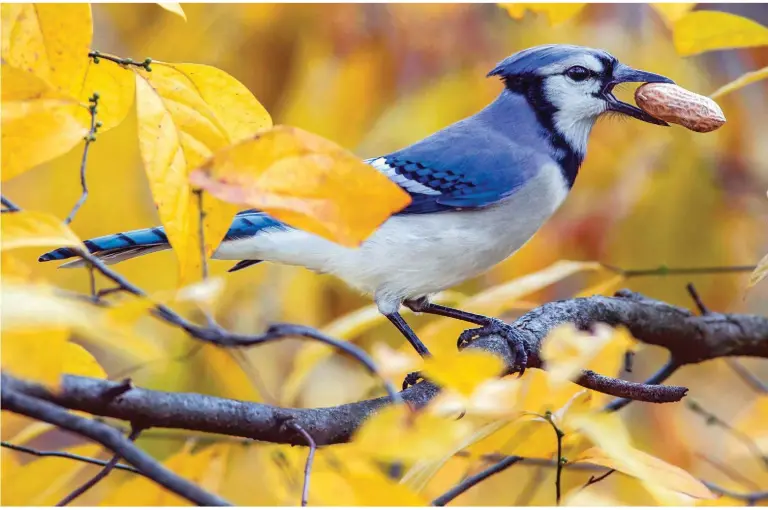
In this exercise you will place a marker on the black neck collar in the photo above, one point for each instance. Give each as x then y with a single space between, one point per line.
531 87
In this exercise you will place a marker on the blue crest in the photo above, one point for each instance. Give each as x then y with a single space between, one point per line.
528 60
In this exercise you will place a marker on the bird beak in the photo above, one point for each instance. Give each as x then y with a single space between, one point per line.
625 74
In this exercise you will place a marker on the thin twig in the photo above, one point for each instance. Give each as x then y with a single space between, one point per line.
662 375
728 471
629 361
310 458
748 377
594 479
89 139
94 290
67 455
751 498
100 475
470 482
110 438
673 271
9 205
703 310
713 419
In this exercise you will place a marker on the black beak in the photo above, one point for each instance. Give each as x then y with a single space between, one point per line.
625 74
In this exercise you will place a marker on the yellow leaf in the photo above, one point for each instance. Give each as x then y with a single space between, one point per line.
567 351
230 373
393 364
34 308
490 398
205 293
463 371
77 361
397 433
116 87
556 13
581 497
12 267
496 300
650 469
702 31
306 181
754 421
203 467
528 435
35 354
32 431
45 480
187 112
671 12
760 272
49 40
230 102
352 488
741 82
166 169
32 228
38 123
603 288
174 8
613 449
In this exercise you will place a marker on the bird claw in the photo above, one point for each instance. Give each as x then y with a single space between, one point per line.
504 330
411 379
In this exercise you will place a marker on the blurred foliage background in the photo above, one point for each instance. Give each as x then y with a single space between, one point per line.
376 77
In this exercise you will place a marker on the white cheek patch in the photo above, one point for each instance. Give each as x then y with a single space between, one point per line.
407 184
577 108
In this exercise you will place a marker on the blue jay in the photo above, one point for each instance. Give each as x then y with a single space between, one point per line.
480 189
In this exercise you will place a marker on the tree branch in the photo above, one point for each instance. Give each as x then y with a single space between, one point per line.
113 462
689 338
110 438
470 482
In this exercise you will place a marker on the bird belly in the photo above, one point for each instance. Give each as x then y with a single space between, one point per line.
417 255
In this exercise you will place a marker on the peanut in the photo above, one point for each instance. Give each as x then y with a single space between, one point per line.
679 106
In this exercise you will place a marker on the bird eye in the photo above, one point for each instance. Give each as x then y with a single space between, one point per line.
578 73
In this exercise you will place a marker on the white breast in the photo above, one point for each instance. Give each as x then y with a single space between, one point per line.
416 255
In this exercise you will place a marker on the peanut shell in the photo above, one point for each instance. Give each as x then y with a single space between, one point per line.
677 105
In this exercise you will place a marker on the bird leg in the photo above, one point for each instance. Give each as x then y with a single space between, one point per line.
488 326
408 333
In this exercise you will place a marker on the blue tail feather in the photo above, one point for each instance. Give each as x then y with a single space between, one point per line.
246 224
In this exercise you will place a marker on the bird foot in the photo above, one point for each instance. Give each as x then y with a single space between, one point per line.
504 330
411 379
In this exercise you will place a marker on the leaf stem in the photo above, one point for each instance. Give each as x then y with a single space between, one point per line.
89 139
560 460
96 56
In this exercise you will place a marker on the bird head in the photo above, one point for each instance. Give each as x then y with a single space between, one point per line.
569 87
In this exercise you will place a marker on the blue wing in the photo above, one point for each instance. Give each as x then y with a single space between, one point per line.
465 166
